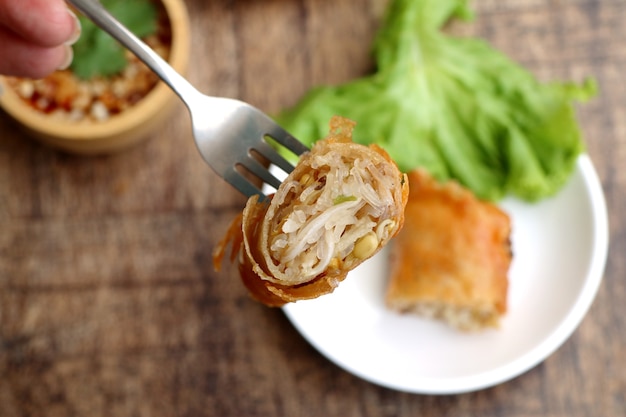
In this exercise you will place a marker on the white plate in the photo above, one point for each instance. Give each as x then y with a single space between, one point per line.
560 248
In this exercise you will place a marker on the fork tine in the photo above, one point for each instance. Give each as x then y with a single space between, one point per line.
291 143
283 137
273 156
243 185
256 168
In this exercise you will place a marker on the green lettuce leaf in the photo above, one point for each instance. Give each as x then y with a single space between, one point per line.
455 106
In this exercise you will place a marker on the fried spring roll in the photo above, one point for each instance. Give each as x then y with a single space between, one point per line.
451 260
342 203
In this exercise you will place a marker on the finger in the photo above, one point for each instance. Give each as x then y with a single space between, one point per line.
21 58
42 22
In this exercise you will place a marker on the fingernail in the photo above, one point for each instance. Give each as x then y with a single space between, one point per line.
77 29
69 56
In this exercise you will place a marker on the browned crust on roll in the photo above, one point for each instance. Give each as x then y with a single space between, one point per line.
452 257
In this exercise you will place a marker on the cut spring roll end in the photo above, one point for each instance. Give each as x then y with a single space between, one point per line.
342 203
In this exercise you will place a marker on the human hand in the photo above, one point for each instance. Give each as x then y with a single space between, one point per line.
36 37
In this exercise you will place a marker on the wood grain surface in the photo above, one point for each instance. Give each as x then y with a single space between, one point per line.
109 305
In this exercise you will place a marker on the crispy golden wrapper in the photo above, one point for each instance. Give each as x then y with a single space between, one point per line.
451 260
342 203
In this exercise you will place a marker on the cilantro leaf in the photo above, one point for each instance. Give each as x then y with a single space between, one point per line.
96 53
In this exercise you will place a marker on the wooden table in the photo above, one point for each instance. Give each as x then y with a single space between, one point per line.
109 305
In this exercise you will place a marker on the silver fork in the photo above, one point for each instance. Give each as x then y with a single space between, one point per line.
227 132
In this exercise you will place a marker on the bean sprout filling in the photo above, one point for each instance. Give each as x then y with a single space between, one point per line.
338 214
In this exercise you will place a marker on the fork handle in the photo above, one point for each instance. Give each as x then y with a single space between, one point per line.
104 20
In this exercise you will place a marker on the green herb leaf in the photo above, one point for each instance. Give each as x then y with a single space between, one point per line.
98 54
343 198
455 106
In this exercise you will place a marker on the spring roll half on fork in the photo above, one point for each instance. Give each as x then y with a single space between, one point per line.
342 203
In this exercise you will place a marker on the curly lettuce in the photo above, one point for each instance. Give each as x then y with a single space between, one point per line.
455 106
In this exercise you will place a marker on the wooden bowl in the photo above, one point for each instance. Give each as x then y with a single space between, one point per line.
119 131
